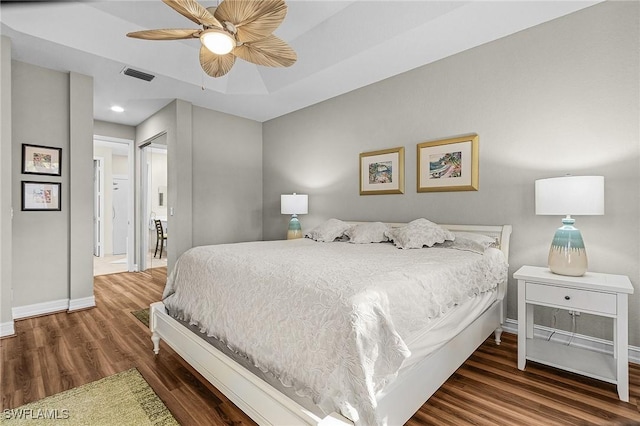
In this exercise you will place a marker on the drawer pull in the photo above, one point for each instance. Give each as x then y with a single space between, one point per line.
567 298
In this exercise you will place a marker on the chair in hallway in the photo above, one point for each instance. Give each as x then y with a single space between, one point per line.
161 237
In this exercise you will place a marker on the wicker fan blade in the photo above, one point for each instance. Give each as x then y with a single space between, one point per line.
194 11
270 51
215 65
254 20
168 34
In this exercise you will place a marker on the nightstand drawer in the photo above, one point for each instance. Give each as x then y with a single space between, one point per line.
571 298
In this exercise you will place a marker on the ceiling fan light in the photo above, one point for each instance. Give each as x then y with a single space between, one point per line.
218 41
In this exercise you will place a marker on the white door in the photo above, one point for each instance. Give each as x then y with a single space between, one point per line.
120 199
97 207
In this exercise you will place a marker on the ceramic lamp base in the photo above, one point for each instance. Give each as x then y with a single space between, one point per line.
295 230
567 255
292 235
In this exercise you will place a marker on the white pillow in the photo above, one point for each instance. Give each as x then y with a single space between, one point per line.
328 231
365 233
419 233
469 241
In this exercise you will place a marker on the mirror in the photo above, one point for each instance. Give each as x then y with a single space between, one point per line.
154 193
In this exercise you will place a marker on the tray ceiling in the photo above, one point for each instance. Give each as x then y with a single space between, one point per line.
341 46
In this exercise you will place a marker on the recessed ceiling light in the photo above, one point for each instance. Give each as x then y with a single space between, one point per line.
117 108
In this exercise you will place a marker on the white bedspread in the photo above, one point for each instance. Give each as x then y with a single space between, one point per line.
329 319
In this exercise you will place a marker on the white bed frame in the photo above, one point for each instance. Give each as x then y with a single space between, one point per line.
268 406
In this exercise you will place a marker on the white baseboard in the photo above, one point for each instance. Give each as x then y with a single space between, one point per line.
83 303
578 340
53 306
40 309
7 329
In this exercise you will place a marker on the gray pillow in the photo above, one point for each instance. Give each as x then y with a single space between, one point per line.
419 233
365 233
469 241
328 231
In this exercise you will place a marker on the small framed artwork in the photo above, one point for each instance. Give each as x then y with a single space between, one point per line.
39 196
382 172
41 160
448 164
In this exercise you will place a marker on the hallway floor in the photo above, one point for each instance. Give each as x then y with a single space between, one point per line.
118 263
109 264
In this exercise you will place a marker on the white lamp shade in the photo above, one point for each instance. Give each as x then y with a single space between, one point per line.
294 203
570 195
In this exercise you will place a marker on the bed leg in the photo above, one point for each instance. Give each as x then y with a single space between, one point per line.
156 342
498 334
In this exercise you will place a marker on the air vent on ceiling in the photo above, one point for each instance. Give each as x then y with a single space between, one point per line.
138 74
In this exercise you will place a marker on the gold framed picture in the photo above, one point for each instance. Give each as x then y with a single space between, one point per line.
382 172
448 164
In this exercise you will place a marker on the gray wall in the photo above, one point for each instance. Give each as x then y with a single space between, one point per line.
6 319
227 183
40 115
81 190
52 257
214 175
559 98
114 130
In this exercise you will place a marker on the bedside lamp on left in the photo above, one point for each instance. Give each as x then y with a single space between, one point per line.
294 204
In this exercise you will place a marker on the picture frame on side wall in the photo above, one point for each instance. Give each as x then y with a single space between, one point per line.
448 164
41 196
382 172
41 160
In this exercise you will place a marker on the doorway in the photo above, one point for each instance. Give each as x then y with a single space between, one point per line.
113 206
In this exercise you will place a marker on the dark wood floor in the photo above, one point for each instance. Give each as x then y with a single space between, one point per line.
61 351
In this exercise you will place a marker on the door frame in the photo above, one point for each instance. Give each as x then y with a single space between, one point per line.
132 266
98 214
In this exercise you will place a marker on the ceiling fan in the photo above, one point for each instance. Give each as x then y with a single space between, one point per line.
235 28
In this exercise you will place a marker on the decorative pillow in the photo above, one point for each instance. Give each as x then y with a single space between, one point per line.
469 241
418 233
365 233
328 231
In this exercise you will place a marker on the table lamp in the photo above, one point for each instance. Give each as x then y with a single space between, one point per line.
294 204
569 195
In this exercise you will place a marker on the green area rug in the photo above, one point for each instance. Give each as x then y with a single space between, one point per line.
142 315
119 400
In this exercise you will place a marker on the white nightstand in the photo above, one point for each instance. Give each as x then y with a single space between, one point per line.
598 294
